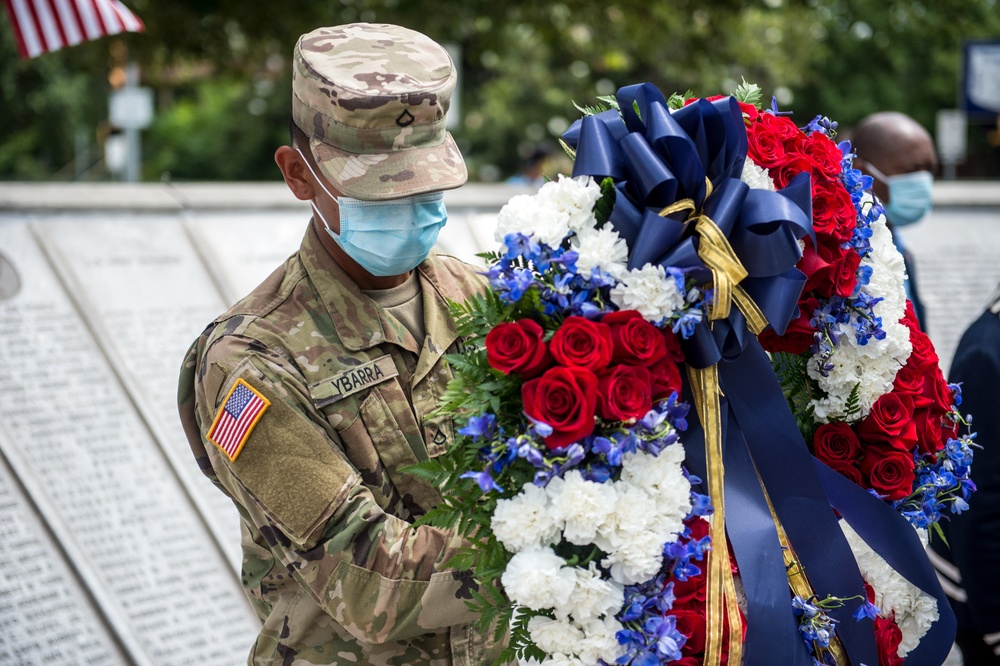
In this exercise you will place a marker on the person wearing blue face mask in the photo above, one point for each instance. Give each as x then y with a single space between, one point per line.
898 153
308 401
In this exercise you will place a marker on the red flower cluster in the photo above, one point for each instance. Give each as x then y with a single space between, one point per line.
830 265
615 368
878 452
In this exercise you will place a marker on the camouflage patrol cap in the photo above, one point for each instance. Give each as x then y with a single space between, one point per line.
372 98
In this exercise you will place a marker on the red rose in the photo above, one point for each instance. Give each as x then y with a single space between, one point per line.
824 152
635 340
910 382
686 661
623 393
836 441
888 471
799 333
890 421
564 398
936 389
847 469
833 210
923 357
691 623
518 347
766 145
887 640
793 165
931 433
582 343
844 274
665 378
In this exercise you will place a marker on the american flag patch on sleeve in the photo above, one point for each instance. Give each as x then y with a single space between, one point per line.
236 419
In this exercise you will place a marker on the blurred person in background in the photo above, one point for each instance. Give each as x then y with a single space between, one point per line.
968 564
898 153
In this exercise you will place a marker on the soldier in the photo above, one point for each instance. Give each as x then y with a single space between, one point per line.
305 402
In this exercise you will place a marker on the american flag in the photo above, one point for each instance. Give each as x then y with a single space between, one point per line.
41 26
237 418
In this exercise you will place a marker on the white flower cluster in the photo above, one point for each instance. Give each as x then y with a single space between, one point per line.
600 248
757 178
649 291
559 208
871 367
915 611
630 520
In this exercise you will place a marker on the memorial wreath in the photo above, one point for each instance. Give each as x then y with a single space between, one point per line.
644 481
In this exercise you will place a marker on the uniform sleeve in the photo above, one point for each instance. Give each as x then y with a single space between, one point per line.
975 535
372 572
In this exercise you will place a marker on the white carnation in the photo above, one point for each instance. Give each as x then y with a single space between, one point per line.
649 291
592 597
915 611
601 248
599 641
662 478
573 199
637 559
526 520
524 214
582 506
538 579
632 515
553 636
757 178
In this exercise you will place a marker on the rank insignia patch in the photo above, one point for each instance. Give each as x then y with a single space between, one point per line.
236 419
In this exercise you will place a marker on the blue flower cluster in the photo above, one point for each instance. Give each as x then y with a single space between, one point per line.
943 480
552 272
651 636
817 630
598 456
856 310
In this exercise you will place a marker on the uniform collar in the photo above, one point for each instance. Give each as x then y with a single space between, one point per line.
359 321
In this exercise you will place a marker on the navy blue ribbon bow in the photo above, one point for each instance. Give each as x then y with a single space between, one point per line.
696 155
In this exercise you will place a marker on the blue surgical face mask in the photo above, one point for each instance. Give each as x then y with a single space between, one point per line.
386 237
909 195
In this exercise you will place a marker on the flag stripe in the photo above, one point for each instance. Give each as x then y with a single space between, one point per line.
237 417
129 20
26 22
41 26
88 16
22 48
49 25
69 22
112 26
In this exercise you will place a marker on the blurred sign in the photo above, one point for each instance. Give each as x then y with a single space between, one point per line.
131 107
981 80
950 135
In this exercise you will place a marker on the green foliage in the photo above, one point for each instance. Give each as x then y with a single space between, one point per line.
798 387
676 101
749 93
522 65
604 205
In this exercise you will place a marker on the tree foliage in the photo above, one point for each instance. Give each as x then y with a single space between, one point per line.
220 70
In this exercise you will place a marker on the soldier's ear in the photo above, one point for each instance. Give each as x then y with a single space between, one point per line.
295 172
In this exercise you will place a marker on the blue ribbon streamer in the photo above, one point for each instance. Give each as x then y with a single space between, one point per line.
657 158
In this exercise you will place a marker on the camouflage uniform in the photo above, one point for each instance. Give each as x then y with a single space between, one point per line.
332 565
